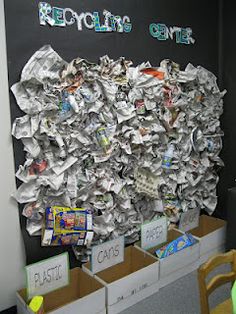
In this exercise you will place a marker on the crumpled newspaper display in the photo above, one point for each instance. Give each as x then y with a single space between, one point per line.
129 143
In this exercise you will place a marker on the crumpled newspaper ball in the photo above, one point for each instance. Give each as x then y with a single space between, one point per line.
129 143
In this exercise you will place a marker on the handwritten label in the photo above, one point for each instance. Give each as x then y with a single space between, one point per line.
48 275
107 254
189 219
132 292
153 233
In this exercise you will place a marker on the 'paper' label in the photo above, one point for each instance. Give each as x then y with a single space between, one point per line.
153 233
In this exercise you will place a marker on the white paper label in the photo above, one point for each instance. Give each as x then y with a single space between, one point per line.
89 222
189 219
48 275
153 233
89 238
47 237
107 254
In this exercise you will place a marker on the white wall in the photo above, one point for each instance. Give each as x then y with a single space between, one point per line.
12 258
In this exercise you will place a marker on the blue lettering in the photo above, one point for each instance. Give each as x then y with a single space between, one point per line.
97 26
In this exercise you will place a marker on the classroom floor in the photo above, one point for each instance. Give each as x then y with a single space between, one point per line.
180 297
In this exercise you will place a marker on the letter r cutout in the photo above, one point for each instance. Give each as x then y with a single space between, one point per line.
44 10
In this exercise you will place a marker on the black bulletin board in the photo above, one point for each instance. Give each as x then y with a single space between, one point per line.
25 36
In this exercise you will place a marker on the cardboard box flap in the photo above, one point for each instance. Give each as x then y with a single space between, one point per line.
134 261
81 285
207 224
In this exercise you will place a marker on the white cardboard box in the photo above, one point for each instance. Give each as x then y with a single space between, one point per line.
211 234
178 264
130 281
84 294
215 251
